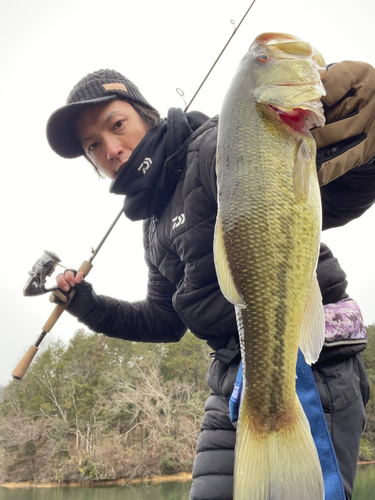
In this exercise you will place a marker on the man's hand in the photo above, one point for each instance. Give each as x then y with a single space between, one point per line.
85 299
348 138
67 280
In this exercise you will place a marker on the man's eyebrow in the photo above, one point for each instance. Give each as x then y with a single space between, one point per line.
109 117
85 139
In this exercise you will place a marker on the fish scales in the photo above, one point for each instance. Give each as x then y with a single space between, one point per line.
264 240
266 250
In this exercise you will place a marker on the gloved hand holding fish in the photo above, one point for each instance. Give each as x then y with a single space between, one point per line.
266 249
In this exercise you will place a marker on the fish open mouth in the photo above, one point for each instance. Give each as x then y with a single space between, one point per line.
301 119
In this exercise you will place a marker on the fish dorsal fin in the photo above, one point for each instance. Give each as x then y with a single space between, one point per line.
224 275
313 325
302 172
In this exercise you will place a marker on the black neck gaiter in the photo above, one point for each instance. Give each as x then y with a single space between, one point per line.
149 177
139 179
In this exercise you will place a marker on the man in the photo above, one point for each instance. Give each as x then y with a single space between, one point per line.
166 170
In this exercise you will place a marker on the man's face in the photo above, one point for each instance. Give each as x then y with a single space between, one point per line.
109 133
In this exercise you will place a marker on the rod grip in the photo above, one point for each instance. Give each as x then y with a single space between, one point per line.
86 267
25 362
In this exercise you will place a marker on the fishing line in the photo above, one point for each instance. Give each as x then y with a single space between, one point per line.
221 53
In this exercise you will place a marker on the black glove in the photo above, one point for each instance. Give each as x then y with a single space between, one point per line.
84 301
348 138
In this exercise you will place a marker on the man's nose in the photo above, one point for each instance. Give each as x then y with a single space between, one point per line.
113 148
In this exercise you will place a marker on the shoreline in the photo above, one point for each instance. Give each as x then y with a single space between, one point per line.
180 477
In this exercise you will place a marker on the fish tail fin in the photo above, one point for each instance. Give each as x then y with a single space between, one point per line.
282 465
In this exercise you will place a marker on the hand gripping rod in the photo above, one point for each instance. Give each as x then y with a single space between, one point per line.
86 267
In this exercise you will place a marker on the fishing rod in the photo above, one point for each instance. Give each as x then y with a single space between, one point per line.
217 59
35 285
46 265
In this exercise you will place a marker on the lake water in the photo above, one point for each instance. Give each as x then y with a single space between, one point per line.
364 490
164 491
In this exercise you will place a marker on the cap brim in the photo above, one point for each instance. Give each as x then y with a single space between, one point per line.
61 132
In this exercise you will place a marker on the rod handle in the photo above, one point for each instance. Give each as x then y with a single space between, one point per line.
25 362
86 267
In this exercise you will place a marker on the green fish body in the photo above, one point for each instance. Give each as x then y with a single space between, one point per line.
266 250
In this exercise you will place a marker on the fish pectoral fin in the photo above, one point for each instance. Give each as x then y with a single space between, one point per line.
302 172
223 272
313 325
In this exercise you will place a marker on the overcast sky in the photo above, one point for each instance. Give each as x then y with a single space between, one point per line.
48 203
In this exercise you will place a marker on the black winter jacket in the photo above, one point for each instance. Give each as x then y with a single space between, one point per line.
183 291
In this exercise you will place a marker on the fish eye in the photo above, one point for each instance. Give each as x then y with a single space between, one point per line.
264 58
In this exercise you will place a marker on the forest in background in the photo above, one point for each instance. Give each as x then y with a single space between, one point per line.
104 409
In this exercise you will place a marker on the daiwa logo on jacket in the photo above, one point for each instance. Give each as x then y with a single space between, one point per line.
145 165
177 221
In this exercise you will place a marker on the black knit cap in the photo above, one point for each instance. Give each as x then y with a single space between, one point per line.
104 85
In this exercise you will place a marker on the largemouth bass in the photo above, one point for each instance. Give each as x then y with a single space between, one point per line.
266 249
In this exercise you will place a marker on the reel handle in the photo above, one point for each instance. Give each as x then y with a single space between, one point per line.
25 362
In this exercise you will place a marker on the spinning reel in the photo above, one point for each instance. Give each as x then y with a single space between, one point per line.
36 285
43 268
